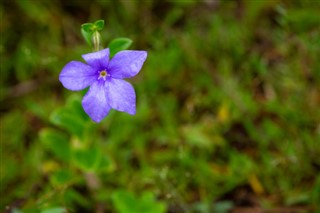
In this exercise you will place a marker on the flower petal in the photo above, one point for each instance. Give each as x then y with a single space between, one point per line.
77 76
98 59
121 96
127 63
95 102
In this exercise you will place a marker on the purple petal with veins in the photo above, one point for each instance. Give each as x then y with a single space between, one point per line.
107 89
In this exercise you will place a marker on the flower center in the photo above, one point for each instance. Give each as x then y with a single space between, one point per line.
103 74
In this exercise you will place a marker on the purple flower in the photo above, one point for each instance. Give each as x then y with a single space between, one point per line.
107 89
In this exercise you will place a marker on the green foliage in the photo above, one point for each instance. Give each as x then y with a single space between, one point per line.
54 210
88 29
71 117
87 34
56 142
119 44
88 159
126 202
227 108
98 25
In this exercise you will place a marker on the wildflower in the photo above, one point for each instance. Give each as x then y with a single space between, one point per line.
107 89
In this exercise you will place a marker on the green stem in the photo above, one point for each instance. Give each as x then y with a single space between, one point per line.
96 41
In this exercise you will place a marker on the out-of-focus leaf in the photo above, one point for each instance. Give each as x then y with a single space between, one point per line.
61 177
75 106
106 165
54 210
87 159
119 44
126 202
71 117
56 142
67 120
87 36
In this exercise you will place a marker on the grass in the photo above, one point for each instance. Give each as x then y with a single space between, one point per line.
227 109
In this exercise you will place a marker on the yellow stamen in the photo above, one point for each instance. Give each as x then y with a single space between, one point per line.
103 74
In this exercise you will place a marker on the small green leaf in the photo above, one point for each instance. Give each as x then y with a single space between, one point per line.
56 142
87 27
74 105
126 202
68 120
87 36
98 25
87 159
119 44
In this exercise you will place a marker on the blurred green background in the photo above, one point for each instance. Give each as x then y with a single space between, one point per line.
228 116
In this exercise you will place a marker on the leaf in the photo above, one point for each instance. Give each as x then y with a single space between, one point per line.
68 120
148 204
126 202
54 210
74 105
98 25
71 117
87 27
87 31
87 159
119 44
61 177
56 142
106 165
87 36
